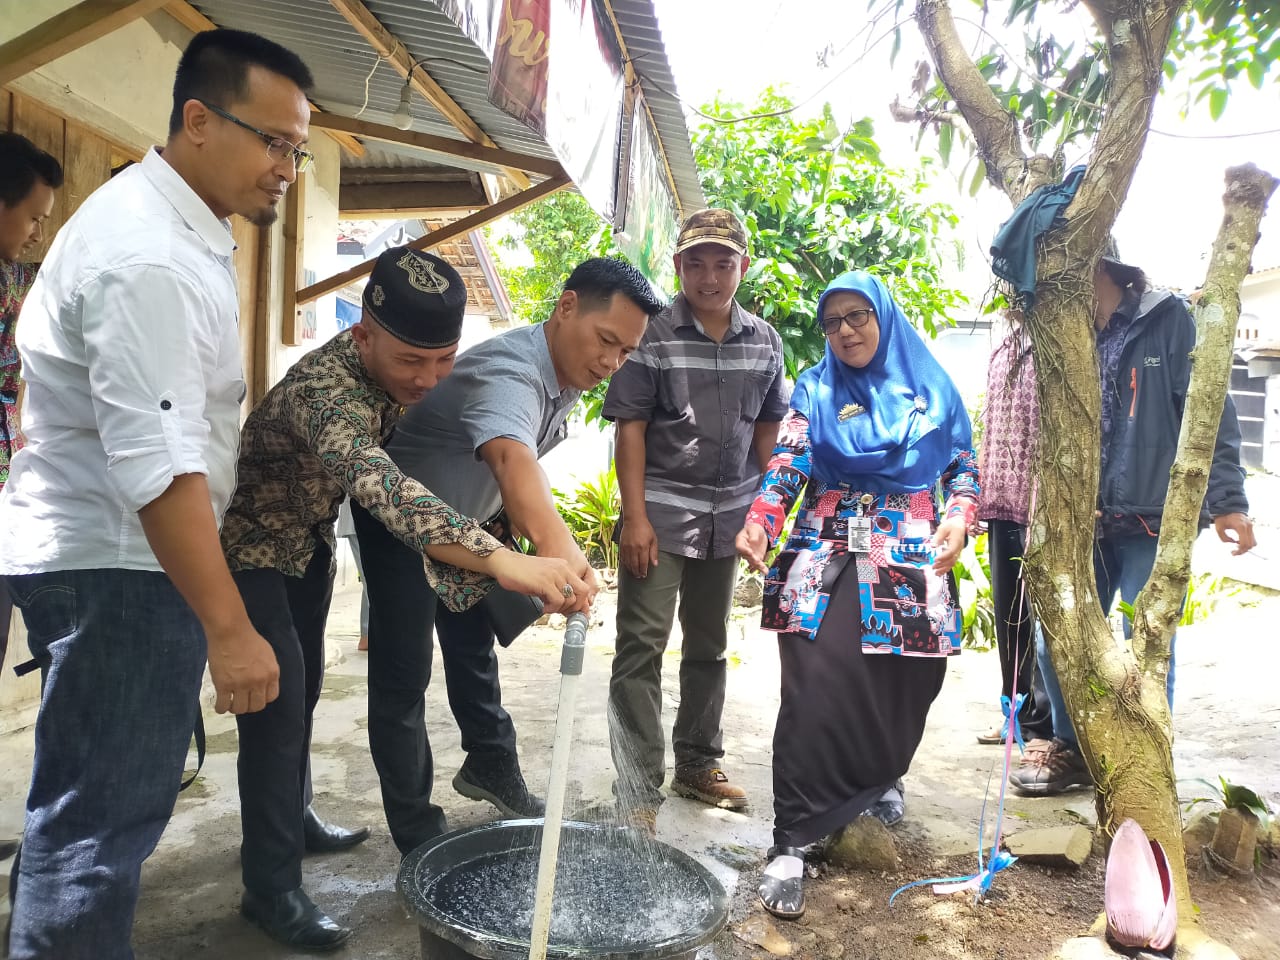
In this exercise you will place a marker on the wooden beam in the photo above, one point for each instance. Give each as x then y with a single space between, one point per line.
189 16
436 237
344 140
490 157
377 201
295 225
70 30
388 45
197 22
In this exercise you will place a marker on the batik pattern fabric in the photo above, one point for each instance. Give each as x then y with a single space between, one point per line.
15 281
1010 421
316 438
906 608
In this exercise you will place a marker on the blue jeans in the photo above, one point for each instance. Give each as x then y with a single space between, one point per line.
121 656
1119 563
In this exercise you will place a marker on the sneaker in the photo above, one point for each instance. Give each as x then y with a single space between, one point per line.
643 820
710 786
1048 768
501 785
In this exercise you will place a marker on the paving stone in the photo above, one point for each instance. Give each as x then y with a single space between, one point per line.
1055 846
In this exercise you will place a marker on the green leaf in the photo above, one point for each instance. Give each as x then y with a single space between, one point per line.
1257 70
944 142
979 176
1217 102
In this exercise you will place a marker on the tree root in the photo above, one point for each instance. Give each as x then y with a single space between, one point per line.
1191 943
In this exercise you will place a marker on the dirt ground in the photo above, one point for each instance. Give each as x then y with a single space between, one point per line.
1227 720
1029 913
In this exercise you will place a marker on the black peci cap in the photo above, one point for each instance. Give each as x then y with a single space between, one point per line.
416 297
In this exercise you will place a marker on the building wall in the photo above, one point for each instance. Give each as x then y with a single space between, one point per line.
1259 308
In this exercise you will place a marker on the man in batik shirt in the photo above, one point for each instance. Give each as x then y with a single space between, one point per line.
316 439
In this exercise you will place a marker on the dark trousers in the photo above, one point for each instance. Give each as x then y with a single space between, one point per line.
403 611
275 743
121 656
1015 627
6 614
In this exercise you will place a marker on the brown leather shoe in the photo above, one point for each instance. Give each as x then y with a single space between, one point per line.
643 820
709 786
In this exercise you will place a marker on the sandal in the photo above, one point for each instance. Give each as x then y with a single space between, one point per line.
993 736
783 898
891 807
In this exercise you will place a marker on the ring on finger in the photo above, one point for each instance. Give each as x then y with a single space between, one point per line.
566 591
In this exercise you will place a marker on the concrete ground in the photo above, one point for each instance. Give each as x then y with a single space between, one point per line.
1227 718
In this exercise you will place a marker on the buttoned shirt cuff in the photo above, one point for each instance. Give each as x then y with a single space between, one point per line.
139 475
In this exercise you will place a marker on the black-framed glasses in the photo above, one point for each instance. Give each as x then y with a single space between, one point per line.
856 319
278 148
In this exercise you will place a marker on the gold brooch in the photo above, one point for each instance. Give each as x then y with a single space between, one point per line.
849 411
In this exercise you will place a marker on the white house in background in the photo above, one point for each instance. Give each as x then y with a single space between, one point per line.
1255 379
963 351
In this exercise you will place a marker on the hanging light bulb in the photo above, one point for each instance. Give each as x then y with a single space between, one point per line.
403 117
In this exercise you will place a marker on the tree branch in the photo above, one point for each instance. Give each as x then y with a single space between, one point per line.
995 129
1137 35
1159 604
920 115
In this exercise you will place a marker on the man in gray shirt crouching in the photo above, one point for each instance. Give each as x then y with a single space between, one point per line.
475 441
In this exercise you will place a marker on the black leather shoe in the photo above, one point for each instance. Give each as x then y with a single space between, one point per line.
783 898
292 919
321 837
501 785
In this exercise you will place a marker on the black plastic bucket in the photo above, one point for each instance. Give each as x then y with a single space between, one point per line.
619 896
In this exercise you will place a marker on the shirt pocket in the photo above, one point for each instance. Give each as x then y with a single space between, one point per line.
755 387
676 393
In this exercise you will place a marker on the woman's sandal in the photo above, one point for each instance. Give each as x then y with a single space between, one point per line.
891 807
783 898
992 736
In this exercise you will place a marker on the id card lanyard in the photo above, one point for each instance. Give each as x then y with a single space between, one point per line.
860 526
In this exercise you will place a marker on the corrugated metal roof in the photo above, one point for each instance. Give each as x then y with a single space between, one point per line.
638 24
341 61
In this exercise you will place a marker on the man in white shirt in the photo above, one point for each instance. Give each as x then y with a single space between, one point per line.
109 522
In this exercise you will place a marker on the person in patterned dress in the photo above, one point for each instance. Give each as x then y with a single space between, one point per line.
1010 419
28 178
315 439
862 595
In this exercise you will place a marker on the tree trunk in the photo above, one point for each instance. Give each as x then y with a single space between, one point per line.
1116 699
1159 606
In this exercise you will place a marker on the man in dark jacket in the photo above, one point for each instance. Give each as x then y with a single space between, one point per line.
1145 339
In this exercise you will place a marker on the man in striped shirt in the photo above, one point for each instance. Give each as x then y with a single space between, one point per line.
697 413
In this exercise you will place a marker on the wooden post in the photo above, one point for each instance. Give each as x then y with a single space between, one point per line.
295 226
262 318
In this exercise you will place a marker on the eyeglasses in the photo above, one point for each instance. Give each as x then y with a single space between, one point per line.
277 147
856 319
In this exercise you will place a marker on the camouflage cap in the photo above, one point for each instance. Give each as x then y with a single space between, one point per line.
716 226
416 297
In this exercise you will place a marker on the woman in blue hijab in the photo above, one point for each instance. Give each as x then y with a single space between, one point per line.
861 595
